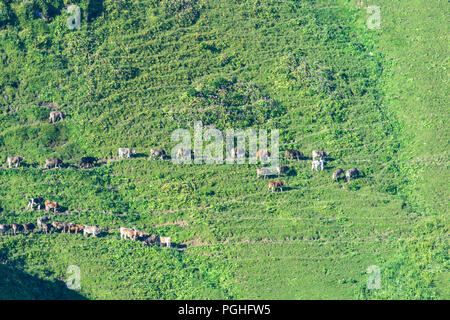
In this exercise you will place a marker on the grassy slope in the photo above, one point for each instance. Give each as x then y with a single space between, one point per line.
313 241
414 37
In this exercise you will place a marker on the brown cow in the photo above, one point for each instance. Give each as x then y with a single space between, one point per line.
128 233
166 241
75 228
293 154
54 162
56 116
46 227
152 240
274 185
4 228
51 205
337 174
351 174
264 172
16 227
63 226
282 169
14 160
158 153
262 155
28 227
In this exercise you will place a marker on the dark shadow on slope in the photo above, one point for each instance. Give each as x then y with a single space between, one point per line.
18 285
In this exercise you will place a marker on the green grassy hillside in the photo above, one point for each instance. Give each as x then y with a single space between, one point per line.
137 70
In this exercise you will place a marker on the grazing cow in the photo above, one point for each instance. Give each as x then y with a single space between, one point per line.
282 169
28 227
141 234
166 241
128 233
35 202
184 153
46 227
262 155
237 153
264 172
56 116
51 205
16 228
337 174
152 240
293 154
316 164
53 162
88 162
319 154
63 226
75 228
158 153
274 185
93 230
352 173
14 161
41 221
4 228
126 153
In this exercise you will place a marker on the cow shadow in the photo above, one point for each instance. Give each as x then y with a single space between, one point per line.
286 189
140 155
179 246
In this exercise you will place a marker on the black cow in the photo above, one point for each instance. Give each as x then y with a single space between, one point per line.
88 162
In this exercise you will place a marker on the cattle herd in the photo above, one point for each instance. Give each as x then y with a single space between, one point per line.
42 225
134 234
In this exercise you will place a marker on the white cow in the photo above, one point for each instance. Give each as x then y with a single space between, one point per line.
126 152
316 164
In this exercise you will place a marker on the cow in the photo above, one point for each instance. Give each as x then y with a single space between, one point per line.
184 153
51 205
141 234
63 226
128 233
16 160
158 153
46 227
4 228
316 164
53 162
262 155
88 162
16 227
352 173
126 153
166 241
319 154
41 221
93 230
282 169
264 172
337 174
274 185
152 240
237 153
35 202
56 116
75 228
28 227
293 154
